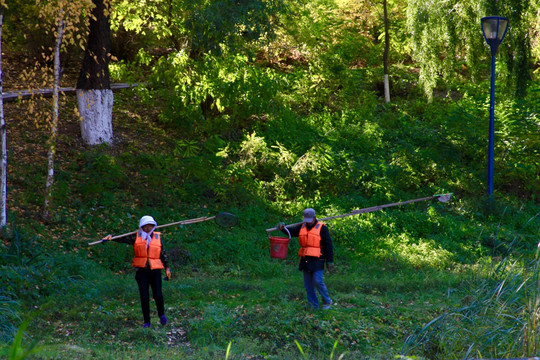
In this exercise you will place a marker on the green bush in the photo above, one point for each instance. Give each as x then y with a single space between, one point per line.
214 94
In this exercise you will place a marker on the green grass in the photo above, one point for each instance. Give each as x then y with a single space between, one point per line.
265 317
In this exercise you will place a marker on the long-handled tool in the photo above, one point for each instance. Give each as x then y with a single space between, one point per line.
440 197
223 219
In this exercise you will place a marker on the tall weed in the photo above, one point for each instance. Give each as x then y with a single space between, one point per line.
17 350
9 314
331 356
499 317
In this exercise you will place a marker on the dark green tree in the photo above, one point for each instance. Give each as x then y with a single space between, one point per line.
516 48
199 26
446 34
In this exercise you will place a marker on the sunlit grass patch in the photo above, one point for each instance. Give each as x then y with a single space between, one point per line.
422 252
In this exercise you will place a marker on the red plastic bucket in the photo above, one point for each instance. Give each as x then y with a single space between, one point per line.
278 247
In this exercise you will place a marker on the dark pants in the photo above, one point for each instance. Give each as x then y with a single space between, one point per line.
145 278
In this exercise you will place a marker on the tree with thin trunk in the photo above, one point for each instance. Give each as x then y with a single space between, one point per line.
94 94
62 18
51 151
385 55
3 132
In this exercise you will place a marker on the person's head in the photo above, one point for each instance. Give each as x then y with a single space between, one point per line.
309 216
147 223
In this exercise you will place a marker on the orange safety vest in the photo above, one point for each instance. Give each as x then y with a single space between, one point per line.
150 255
310 240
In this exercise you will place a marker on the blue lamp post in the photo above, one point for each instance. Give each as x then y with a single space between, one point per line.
494 29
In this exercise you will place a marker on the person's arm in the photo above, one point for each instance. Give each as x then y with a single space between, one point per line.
129 239
327 247
164 258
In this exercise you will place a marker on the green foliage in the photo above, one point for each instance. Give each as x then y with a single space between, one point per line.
305 356
9 314
30 276
36 36
445 35
17 351
516 50
230 23
199 27
215 94
520 146
100 174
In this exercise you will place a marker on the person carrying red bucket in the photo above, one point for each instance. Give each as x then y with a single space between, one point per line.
316 246
316 249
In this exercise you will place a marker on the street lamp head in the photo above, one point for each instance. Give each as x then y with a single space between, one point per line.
494 29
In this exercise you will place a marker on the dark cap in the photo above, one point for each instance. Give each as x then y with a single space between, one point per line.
309 215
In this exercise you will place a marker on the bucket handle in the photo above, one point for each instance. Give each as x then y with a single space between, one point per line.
288 232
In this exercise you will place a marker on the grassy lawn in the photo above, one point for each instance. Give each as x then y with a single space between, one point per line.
262 317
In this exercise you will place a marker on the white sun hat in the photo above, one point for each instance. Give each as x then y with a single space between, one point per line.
147 219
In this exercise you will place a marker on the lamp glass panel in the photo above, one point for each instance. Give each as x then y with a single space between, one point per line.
490 28
503 24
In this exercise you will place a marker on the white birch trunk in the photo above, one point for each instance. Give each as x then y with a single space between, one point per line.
95 108
54 125
386 89
3 130
386 53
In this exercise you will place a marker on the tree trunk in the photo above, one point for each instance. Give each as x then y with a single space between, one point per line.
95 97
3 130
54 125
385 55
95 108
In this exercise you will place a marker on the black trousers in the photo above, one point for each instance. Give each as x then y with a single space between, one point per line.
150 278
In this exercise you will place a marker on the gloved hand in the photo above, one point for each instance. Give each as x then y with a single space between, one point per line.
280 225
168 272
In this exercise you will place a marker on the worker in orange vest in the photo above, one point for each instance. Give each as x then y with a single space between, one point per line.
316 249
149 258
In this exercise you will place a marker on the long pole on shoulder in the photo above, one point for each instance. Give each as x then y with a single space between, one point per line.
183 222
440 197
223 219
